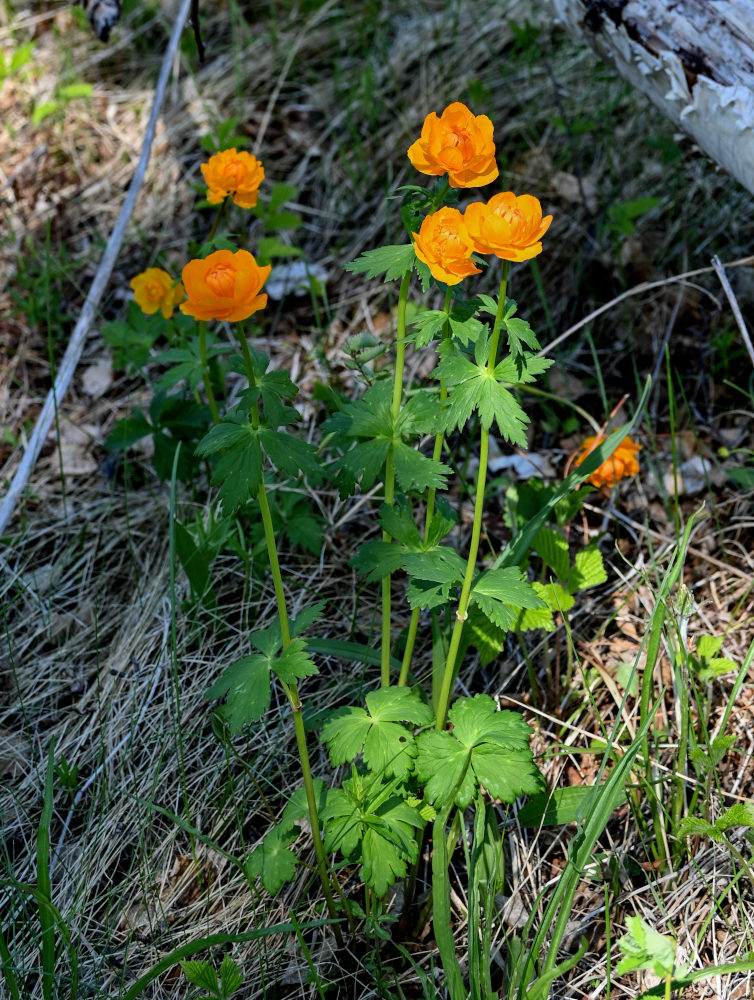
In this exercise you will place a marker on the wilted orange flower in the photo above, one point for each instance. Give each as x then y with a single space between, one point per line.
224 285
232 173
155 290
508 226
621 463
445 247
458 144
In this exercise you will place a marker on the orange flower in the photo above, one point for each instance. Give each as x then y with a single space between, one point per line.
621 463
224 285
510 227
445 247
154 289
236 174
458 144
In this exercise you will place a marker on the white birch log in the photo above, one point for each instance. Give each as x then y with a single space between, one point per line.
694 59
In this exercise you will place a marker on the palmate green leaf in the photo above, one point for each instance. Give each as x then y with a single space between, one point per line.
483 635
291 454
398 521
294 663
388 746
272 860
494 743
507 585
468 330
377 559
297 806
201 974
414 471
588 570
472 387
239 467
427 325
367 820
246 683
706 664
518 331
392 261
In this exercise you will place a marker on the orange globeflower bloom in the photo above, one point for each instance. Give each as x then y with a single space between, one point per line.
621 463
154 289
445 247
224 285
236 174
508 226
458 144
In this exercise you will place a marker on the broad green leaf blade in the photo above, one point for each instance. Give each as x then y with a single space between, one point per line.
273 861
392 261
588 570
556 808
246 684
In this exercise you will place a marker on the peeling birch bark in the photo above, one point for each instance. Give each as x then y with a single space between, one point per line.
694 59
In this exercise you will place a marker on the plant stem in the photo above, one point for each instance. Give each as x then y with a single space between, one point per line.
291 690
476 530
413 626
207 373
400 358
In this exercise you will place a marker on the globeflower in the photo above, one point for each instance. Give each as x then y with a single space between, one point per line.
458 144
445 246
507 226
155 290
225 285
621 463
232 173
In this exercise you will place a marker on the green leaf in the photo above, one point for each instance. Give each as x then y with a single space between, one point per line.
201 974
415 471
495 746
392 261
740 814
297 806
484 635
128 431
588 570
239 467
706 664
272 860
366 819
388 746
520 335
399 523
377 559
428 324
506 584
291 454
280 194
230 976
294 663
468 330
472 387
246 683
552 549
71 91
644 948
562 805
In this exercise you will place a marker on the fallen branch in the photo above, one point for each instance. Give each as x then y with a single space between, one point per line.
97 289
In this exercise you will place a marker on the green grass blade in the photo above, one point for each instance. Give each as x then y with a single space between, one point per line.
344 649
46 918
441 906
6 967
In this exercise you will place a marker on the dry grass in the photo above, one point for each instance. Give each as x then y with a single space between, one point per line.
331 98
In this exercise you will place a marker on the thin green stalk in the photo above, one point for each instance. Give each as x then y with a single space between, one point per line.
207 372
413 625
476 531
291 690
44 885
400 358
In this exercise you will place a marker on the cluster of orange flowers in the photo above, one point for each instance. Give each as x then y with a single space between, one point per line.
460 144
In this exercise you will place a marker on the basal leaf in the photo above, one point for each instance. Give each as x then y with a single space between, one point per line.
552 549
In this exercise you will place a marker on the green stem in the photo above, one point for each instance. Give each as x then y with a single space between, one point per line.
207 373
291 690
400 358
413 626
218 216
476 530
